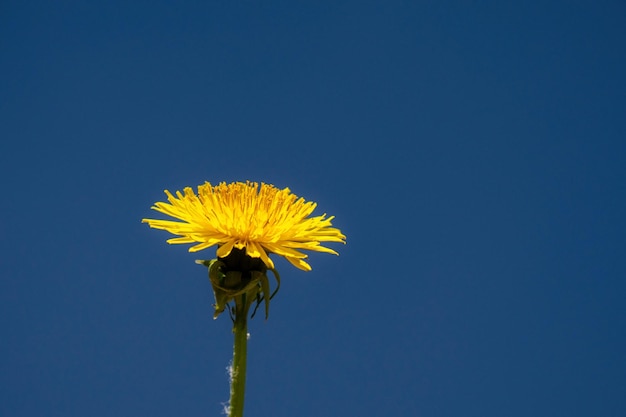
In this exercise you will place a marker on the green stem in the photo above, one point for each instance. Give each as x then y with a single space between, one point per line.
238 378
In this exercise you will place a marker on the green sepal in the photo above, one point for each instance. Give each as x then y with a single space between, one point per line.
277 278
230 285
264 295
217 278
265 288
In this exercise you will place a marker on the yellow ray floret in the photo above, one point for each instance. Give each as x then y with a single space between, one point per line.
262 220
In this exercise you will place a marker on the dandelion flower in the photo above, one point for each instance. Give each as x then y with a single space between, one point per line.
258 219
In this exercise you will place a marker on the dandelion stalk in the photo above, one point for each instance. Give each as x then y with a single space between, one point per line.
238 371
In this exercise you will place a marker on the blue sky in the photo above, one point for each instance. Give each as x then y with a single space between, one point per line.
472 152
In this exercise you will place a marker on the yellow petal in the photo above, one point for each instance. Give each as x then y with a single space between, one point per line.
224 250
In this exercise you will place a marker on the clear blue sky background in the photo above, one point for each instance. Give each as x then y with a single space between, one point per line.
473 153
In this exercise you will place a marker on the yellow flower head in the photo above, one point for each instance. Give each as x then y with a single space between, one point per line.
241 215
